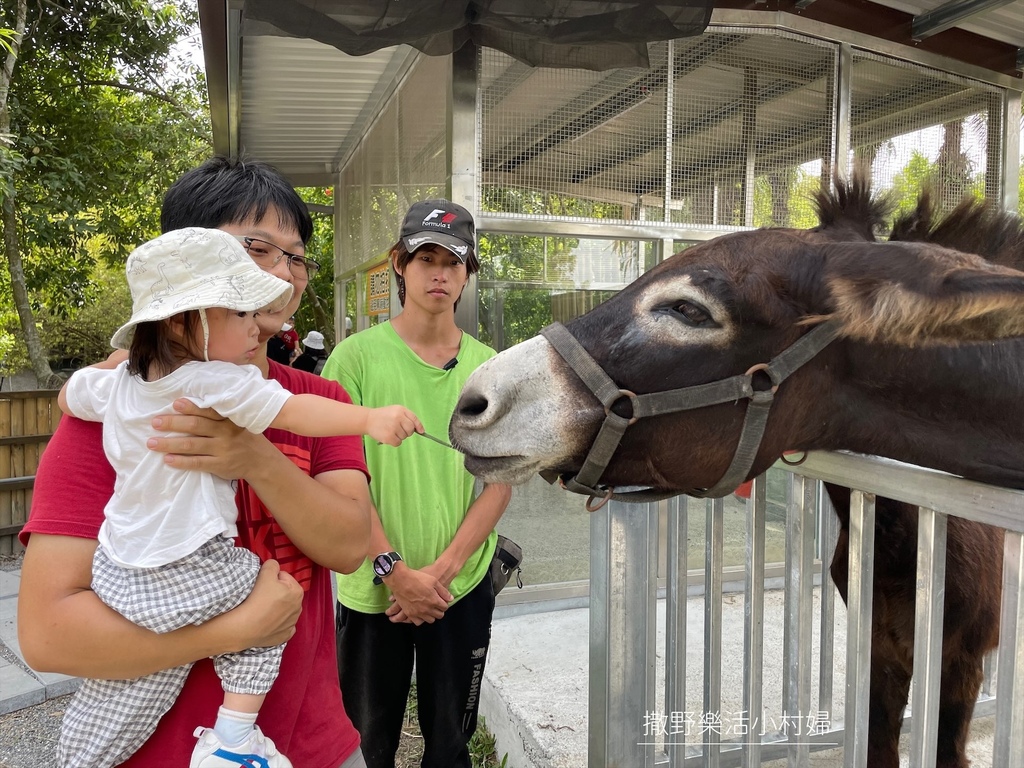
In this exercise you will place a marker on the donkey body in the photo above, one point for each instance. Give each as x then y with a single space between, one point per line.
927 369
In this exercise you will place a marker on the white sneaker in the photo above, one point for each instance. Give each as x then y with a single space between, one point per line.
255 752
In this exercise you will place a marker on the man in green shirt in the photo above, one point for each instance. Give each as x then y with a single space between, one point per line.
423 592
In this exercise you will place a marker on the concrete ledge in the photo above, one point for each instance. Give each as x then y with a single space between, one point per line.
60 685
535 693
536 688
18 689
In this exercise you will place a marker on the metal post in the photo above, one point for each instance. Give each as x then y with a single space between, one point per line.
797 639
827 535
675 625
462 156
859 587
340 234
1010 680
712 710
623 577
753 622
670 116
1010 157
749 143
844 100
931 595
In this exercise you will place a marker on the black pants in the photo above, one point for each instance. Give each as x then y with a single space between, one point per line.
375 660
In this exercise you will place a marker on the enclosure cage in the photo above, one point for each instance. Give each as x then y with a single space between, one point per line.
581 181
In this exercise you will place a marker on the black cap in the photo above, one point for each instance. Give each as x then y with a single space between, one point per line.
439 222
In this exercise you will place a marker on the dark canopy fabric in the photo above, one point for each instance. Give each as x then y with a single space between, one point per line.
587 34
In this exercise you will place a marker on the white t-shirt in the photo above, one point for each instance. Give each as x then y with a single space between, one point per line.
159 514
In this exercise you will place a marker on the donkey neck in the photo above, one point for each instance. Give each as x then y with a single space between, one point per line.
958 409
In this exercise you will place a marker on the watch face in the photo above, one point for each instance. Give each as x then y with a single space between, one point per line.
382 564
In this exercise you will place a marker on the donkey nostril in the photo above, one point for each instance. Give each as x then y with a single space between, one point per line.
472 405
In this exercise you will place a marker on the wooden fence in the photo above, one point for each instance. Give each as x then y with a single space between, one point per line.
27 421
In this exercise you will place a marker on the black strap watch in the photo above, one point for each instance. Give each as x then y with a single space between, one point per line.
383 564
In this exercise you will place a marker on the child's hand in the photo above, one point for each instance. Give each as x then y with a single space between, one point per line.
392 424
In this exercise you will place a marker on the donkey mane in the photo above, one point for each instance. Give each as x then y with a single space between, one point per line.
974 226
853 211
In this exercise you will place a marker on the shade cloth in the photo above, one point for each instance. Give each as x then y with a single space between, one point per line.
586 34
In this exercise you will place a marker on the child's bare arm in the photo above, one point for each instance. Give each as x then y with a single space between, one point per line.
316 416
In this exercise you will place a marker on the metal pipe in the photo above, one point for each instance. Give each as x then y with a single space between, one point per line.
1010 681
675 624
713 544
827 534
861 556
931 594
622 632
799 583
753 621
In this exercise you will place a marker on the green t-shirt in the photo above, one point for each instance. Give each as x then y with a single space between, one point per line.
421 489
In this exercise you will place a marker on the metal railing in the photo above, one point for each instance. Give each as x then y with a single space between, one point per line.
624 647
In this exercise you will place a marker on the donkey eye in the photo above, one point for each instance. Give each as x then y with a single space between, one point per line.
693 314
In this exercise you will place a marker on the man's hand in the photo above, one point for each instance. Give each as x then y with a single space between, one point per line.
267 616
417 596
209 443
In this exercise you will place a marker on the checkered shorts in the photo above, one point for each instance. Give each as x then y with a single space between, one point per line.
108 720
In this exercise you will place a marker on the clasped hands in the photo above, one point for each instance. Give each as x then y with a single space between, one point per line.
417 596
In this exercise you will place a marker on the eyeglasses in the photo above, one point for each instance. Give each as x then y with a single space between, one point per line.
268 255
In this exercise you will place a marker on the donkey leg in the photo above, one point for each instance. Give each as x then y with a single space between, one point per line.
971 628
890 686
890 670
962 674
892 617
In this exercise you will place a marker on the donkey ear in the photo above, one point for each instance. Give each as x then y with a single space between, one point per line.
916 294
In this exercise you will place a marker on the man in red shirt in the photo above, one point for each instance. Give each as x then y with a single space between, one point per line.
303 508
290 335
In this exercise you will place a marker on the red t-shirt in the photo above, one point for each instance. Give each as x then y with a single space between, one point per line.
303 712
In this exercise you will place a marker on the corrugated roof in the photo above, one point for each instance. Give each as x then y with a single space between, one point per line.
302 105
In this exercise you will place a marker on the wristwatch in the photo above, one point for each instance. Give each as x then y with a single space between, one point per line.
383 564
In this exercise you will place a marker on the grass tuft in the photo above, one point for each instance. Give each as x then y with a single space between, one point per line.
482 752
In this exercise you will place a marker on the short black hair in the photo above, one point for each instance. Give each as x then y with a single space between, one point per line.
229 191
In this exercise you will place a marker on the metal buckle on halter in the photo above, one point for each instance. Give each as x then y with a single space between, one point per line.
632 397
772 376
590 506
592 493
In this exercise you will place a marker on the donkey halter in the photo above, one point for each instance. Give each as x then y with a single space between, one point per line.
732 389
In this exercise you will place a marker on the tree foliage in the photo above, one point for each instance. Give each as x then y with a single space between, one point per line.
104 114
316 312
527 265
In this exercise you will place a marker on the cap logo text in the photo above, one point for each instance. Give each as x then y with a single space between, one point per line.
446 219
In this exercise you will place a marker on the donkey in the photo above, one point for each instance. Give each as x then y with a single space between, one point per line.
909 349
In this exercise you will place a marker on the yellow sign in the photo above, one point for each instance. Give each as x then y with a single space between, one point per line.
378 289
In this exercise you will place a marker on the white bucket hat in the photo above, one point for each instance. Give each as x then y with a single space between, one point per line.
195 268
314 340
